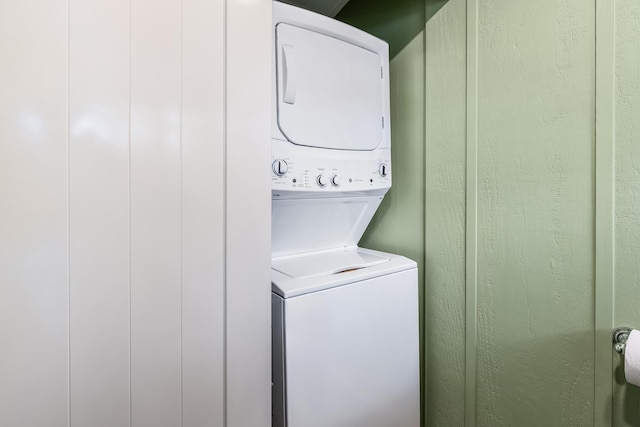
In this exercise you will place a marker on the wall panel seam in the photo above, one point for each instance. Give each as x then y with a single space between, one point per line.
471 285
423 334
225 399
69 213
181 20
129 213
604 210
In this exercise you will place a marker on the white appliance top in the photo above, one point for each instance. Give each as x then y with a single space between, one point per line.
326 264
303 274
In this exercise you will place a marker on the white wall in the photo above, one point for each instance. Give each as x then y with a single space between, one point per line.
134 213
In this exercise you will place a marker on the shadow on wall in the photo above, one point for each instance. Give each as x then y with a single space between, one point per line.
398 22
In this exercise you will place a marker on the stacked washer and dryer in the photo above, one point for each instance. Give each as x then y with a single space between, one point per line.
344 318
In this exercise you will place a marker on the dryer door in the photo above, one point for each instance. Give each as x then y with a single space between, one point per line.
330 92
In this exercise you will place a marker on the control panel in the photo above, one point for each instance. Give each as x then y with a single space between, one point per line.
317 175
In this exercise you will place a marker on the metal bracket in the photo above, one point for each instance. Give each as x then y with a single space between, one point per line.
620 337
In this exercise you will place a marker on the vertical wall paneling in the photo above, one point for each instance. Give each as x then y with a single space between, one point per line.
552 96
121 177
623 19
604 209
444 218
406 74
99 212
407 81
155 213
471 306
248 200
536 127
203 182
33 214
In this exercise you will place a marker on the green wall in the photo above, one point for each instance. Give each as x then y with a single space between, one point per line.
445 200
534 218
626 409
516 150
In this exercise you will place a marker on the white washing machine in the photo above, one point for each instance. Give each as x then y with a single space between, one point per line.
344 318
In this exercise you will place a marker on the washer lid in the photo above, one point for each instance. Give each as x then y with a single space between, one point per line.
342 261
329 91
300 275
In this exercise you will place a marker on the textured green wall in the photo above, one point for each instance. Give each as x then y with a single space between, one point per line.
530 203
536 120
626 411
445 172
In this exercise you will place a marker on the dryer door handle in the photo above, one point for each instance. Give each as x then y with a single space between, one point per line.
288 74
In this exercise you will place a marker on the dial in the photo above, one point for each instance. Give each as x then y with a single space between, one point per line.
383 170
280 167
322 180
336 180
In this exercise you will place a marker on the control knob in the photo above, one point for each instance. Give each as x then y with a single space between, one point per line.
336 180
383 170
322 181
280 167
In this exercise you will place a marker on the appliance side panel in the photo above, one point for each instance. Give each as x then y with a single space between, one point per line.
278 362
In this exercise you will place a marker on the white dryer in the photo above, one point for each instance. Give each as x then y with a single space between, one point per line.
344 318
